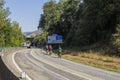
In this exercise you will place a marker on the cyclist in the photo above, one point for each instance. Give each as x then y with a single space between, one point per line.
60 52
50 49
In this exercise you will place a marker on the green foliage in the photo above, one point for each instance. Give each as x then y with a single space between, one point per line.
10 33
41 39
16 35
50 19
83 22
116 39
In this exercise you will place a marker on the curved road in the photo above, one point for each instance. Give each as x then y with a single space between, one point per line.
40 66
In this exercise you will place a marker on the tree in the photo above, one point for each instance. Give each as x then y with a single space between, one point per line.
50 20
83 22
10 33
4 24
41 39
116 40
16 35
69 19
97 22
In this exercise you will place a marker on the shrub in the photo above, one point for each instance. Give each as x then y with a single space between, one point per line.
116 39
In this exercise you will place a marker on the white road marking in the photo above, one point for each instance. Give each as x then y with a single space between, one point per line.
63 78
2 54
20 70
43 51
82 75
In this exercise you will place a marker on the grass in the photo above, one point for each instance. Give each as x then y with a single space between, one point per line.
96 60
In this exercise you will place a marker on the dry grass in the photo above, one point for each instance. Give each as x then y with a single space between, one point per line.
96 60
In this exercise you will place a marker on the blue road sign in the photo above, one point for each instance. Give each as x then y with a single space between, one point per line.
55 39
58 37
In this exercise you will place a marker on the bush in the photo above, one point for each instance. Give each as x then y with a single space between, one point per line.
116 40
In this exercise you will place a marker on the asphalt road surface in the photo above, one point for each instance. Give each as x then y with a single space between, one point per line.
38 65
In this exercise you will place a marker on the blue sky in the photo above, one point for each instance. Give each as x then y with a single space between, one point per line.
26 12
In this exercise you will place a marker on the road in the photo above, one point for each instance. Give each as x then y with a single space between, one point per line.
40 66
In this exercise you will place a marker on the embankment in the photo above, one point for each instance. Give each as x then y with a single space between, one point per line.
5 73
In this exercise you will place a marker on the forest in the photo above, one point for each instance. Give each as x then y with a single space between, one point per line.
10 31
84 24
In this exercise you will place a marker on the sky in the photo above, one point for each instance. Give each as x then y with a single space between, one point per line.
26 12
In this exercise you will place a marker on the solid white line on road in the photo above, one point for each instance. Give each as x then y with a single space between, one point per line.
43 51
20 70
2 54
51 72
82 75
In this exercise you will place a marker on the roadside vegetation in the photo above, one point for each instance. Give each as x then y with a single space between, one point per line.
86 25
95 59
83 23
10 31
